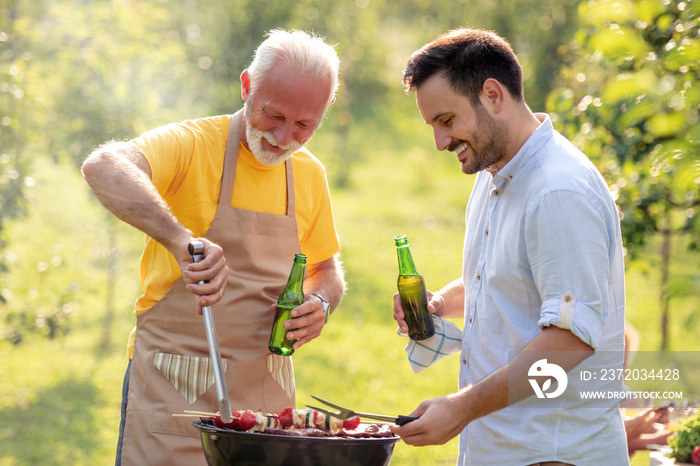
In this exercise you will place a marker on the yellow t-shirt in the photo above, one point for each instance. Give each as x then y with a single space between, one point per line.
186 161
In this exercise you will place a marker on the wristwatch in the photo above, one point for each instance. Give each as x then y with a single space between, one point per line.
326 306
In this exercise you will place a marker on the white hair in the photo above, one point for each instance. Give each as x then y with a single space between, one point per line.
308 54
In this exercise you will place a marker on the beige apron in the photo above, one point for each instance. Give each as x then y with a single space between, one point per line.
170 370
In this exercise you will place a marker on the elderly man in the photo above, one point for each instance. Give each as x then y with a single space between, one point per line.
246 187
543 282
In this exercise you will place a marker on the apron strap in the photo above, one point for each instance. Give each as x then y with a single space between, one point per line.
233 141
290 187
231 159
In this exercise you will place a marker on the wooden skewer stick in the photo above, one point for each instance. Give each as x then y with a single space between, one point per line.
200 413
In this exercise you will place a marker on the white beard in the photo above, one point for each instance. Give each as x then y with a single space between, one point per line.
255 140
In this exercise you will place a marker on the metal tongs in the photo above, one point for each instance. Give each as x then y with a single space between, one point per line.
345 413
196 250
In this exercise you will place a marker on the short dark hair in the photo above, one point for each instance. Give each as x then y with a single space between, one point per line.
467 58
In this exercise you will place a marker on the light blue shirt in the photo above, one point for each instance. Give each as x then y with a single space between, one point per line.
542 247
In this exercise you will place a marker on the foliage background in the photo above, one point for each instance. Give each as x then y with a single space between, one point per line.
75 73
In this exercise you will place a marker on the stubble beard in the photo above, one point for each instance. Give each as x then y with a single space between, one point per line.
495 138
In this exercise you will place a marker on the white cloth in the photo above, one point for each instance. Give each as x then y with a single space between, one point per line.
446 341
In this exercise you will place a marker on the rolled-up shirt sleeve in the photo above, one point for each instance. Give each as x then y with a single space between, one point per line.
570 249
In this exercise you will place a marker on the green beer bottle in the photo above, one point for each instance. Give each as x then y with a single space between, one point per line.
414 298
291 297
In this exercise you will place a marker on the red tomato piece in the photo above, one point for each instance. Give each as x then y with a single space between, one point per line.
696 455
235 416
286 417
248 420
351 424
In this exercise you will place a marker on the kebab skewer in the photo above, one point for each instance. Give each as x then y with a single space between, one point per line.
288 419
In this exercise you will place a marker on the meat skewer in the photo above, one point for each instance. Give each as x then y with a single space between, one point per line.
298 422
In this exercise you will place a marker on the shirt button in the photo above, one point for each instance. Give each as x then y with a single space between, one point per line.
470 320
486 232
464 361
478 277
496 192
510 177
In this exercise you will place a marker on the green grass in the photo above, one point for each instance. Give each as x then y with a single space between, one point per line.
60 404
59 399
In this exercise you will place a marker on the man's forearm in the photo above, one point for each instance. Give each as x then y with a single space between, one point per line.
328 279
119 175
453 297
496 391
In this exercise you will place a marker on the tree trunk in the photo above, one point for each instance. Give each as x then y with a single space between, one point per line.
111 285
665 263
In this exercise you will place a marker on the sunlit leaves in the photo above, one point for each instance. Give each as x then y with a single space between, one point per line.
596 12
636 114
663 125
629 84
684 57
648 10
617 42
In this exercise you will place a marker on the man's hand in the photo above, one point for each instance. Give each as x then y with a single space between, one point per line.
326 278
443 418
440 420
434 304
212 270
306 323
448 303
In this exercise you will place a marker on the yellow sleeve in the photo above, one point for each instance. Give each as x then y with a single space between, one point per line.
318 237
172 149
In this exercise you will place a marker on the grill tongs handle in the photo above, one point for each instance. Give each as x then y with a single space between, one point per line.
196 250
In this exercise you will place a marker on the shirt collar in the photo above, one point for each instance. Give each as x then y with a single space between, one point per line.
541 135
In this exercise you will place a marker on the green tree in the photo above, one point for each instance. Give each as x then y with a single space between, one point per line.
629 99
15 58
76 75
